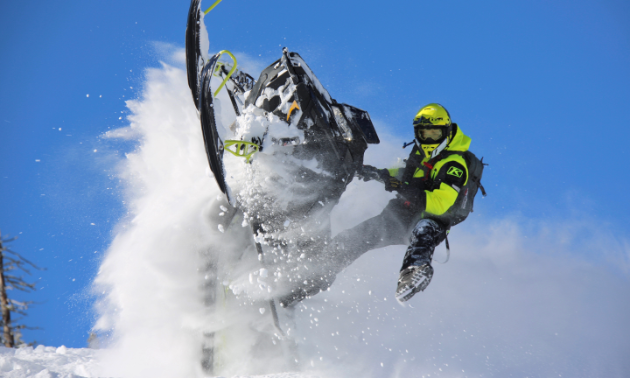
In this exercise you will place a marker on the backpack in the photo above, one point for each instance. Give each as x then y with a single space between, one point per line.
465 199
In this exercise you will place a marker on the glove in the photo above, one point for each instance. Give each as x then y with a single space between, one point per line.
392 183
369 172
382 175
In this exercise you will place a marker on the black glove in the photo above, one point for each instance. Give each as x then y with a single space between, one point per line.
382 175
392 183
369 172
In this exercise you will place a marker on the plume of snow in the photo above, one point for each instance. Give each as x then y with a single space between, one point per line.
152 302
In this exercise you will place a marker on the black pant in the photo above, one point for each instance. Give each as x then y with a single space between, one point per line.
426 235
394 225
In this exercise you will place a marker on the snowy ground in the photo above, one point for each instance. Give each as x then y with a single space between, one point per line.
62 362
48 362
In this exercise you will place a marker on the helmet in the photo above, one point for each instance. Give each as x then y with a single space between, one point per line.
432 125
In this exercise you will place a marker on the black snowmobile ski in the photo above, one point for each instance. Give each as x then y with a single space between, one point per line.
240 82
194 57
199 75
211 139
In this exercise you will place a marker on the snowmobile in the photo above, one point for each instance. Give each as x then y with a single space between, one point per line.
291 152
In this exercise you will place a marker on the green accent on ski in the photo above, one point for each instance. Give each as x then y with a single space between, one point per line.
229 74
212 6
241 148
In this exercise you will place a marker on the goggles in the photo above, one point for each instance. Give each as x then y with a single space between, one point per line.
429 134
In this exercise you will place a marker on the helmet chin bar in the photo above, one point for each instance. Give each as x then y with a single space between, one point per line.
437 149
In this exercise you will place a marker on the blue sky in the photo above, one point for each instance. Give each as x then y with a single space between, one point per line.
541 87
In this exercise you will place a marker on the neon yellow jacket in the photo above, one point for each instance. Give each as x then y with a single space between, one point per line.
446 177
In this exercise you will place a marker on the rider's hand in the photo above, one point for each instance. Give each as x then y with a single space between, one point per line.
392 183
368 173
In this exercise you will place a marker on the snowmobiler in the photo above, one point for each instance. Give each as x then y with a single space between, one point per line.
435 191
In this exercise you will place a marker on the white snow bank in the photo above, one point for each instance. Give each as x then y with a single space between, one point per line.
62 362
48 362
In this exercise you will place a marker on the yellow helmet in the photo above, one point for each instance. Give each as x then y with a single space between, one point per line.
432 124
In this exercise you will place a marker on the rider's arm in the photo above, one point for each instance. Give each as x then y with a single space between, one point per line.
441 199
451 179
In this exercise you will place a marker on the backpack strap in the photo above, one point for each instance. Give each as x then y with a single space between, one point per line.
414 161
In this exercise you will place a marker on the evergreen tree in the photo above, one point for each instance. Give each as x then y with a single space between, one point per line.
12 269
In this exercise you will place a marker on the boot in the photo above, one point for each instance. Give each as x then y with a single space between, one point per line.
413 279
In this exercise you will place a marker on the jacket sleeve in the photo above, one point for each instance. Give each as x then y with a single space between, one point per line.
448 182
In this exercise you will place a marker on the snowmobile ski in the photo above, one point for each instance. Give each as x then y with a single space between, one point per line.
212 141
194 57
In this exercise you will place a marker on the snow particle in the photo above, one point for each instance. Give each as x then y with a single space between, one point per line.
87 95
221 229
262 310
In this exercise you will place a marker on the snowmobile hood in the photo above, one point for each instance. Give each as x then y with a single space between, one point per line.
460 142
